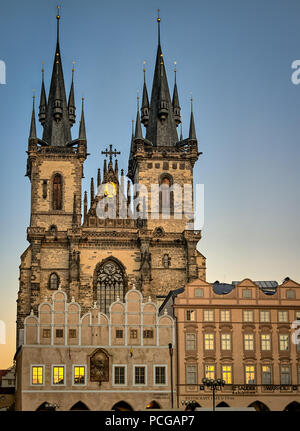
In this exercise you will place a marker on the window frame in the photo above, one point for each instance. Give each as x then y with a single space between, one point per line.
264 341
187 365
146 375
247 341
214 370
228 334
207 313
31 375
209 341
154 374
264 312
194 334
280 312
114 366
52 375
190 310
288 342
271 374
245 373
229 315
244 314
73 375
290 373
231 373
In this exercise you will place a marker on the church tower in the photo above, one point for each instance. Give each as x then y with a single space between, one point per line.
147 243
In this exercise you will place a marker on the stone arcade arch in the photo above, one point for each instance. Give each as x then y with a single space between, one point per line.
222 404
122 406
110 283
153 405
45 407
79 406
192 406
294 406
259 406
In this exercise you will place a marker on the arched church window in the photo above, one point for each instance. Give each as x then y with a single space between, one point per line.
166 261
166 196
53 281
110 284
57 192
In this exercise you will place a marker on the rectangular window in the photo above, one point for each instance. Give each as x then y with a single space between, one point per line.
283 316
226 341
250 374
46 333
133 333
249 341
208 315
227 374
190 341
140 376
199 292
79 375
59 333
265 316
191 374
209 341
248 316
297 315
190 315
266 375
58 375
265 342
148 333
72 333
209 372
37 375
285 375
225 315
160 375
119 375
119 333
283 342
247 293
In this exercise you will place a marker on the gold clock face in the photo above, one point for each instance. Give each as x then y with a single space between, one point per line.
110 190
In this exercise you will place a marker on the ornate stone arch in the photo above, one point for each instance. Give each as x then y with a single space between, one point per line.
110 283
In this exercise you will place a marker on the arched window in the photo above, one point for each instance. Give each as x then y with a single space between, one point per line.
166 261
110 284
53 281
57 192
166 196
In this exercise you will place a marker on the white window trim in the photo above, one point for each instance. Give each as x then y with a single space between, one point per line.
52 374
73 375
37 365
166 374
113 376
146 375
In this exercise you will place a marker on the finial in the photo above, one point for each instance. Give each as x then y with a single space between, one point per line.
133 287
43 70
175 70
73 299
138 100
31 312
73 69
149 298
165 312
58 18
191 99
158 22
144 70
33 96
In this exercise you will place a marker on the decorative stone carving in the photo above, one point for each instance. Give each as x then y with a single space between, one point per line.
74 265
99 366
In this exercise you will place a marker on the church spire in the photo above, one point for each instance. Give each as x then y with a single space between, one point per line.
192 132
57 129
43 100
82 132
32 132
145 101
161 129
138 127
71 102
175 101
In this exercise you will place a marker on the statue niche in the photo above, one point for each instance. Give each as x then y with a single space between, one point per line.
74 265
99 366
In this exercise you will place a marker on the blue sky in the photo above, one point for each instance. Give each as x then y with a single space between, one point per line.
235 56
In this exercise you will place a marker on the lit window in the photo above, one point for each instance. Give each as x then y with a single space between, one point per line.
148 333
160 375
79 375
191 374
37 375
285 375
209 341
140 376
227 374
225 315
59 375
119 375
46 333
249 341
265 342
283 342
208 315
133 333
226 341
72 333
247 293
119 333
298 315
209 372
190 341
266 375
250 374
190 315
199 292
283 316
59 333
248 316
265 316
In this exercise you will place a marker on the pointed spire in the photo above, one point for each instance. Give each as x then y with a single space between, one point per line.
71 102
175 101
43 100
57 129
181 136
82 132
98 178
161 129
92 189
32 132
145 102
85 203
116 168
104 170
192 132
138 127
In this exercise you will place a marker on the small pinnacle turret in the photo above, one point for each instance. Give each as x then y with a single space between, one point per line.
43 100
32 132
192 131
175 102
82 132
71 102
145 102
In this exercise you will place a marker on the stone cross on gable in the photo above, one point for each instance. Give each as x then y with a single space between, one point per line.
110 153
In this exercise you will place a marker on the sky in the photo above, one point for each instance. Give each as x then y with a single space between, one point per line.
234 56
